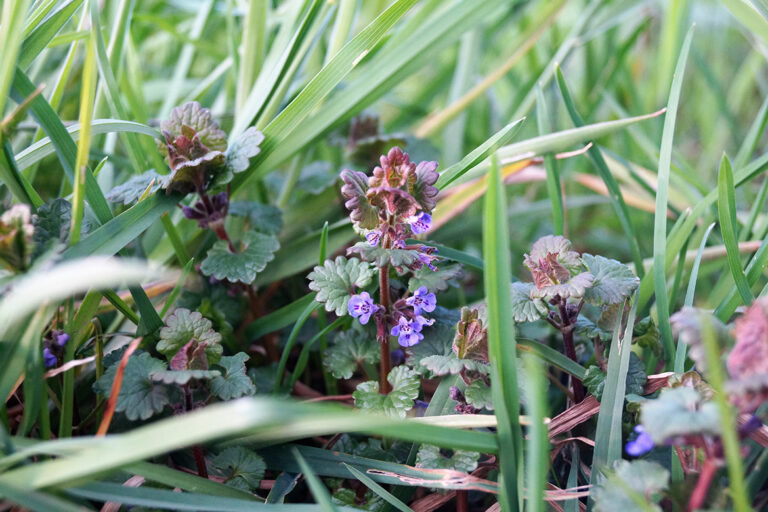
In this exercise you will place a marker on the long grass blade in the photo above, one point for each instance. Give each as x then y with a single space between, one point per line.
662 193
501 338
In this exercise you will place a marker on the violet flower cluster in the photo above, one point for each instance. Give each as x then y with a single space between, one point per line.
408 311
396 202
53 348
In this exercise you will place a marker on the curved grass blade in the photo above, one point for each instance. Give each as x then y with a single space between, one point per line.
111 237
311 307
324 82
501 338
613 188
552 357
662 192
479 154
379 490
608 434
280 318
726 208
689 296
537 443
44 147
554 190
259 419
316 486
451 254
39 500
39 38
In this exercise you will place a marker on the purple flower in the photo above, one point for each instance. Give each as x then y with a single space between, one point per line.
427 259
420 223
362 306
373 237
641 445
421 322
61 339
49 359
422 299
407 332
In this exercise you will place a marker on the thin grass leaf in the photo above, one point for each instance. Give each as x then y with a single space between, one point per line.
39 38
551 356
316 486
550 165
617 199
308 310
324 82
479 154
689 296
501 338
660 218
39 500
379 490
537 443
608 435
726 208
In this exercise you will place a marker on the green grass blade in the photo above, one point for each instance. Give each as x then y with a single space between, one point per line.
689 296
39 38
608 435
280 318
551 356
660 217
479 154
379 490
44 147
39 500
14 180
111 237
554 190
726 208
373 78
87 93
316 486
617 199
537 443
501 338
324 82
311 307
11 34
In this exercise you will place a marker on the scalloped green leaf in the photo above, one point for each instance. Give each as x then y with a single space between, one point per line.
679 411
613 282
350 349
451 365
640 479
140 397
525 308
242 266
436 280
241 468
335 282
130 191
232 382
181 377
405 389
430 457
397 258
183 326
478 395
264 218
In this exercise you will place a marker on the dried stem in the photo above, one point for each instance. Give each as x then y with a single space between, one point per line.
197 450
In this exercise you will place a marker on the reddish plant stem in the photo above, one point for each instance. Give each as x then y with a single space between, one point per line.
569 346
462 502
386 361
197 450
699 493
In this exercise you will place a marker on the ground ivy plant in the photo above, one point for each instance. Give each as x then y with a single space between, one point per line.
386 208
